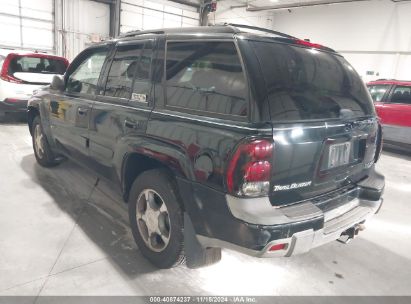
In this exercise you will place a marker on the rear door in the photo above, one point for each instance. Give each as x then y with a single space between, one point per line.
70 110
123 105
324 124
395 115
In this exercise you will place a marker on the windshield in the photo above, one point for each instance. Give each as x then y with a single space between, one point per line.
306 84
378 91
32 64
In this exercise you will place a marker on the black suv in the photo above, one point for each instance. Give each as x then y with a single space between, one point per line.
218 137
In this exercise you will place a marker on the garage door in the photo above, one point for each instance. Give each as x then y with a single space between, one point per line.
145 15
27 24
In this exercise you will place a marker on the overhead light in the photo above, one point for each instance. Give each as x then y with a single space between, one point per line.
273 1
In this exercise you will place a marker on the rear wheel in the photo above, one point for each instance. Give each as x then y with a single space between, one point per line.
156 219
42 151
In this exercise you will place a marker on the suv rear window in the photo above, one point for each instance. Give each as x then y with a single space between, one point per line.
206 77
33 64
307 84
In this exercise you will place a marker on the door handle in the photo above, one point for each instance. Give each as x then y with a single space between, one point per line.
82 111
130 124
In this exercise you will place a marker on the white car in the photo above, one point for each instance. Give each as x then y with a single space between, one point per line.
23 72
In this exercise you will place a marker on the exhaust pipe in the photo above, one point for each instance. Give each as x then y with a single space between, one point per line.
350 233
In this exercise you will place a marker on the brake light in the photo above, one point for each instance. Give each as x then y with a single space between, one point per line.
12 100
249 170
309 44
10 78
4 74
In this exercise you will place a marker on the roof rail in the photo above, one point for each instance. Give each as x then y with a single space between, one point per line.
138 32
392 79
261 29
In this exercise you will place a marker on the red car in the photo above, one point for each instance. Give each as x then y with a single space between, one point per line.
392 99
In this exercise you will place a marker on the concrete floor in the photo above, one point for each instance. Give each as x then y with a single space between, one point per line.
62 236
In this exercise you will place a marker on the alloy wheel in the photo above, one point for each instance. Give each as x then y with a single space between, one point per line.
153 220
39 141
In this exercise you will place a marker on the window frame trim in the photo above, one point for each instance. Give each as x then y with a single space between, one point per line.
201 113
100 97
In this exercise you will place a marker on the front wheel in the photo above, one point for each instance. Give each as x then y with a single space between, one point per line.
42 151
156 219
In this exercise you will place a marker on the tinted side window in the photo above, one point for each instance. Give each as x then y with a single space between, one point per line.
206 77
122 70
142 82
401 94
85 77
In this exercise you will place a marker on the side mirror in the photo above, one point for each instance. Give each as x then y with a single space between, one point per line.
57 83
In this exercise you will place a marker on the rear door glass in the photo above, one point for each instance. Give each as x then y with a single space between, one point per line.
129 74
401 94
122 70
308 84
32 64
142 83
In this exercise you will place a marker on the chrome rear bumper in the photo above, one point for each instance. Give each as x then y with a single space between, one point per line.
337 221
335 224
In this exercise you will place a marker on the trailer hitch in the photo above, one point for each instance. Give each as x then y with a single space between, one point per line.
350 233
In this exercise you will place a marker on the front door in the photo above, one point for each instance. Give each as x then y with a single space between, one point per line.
70 110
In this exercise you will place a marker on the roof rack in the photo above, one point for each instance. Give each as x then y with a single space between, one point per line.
261 29
138 32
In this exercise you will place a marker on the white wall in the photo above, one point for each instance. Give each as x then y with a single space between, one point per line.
373 36
30 24
80 22
145 15
225 13
27 24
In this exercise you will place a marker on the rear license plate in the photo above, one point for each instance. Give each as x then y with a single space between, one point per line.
339 155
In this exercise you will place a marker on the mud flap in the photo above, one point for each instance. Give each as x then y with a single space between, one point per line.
196 255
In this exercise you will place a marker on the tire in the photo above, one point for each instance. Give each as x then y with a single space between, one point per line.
156 219
42 151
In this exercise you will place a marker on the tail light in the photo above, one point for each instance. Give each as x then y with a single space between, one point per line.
277 247
378 143
249 170
4 74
